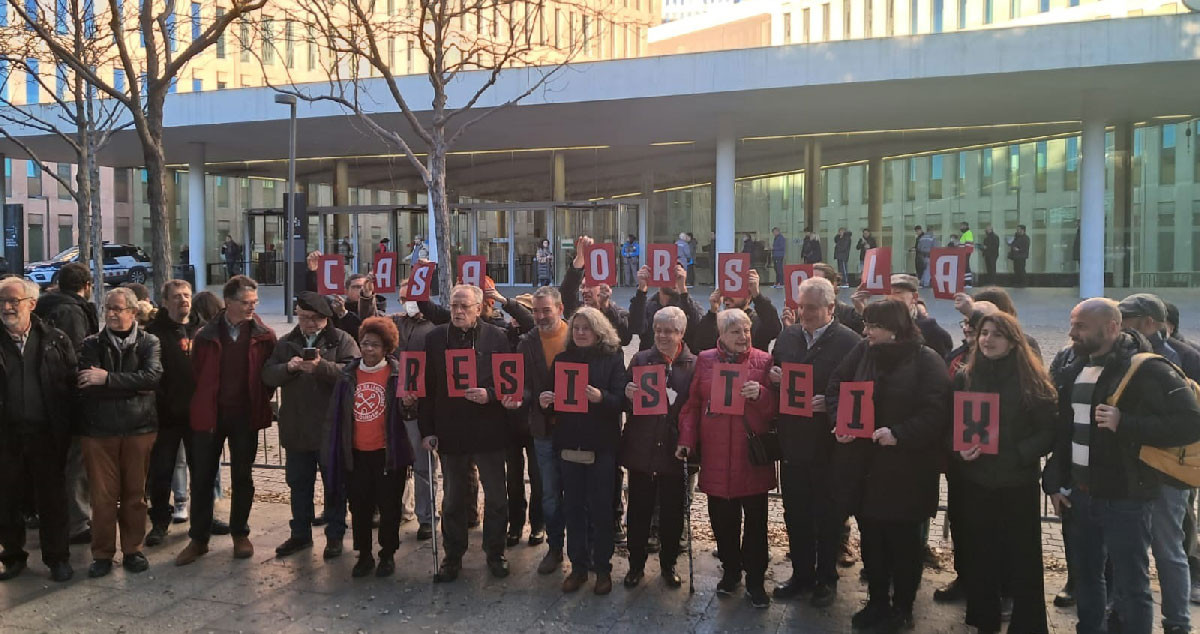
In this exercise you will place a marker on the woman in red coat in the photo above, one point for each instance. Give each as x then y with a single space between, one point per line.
733 485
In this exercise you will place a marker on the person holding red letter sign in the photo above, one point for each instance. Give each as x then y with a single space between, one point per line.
413 328
819 342
889 482
587 442
999 527
472 427
735 486
662 379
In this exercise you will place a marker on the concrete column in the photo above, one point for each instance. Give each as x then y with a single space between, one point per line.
875 194
812 183
341 198
1122 209
723 194
558 184
1091 204
196 208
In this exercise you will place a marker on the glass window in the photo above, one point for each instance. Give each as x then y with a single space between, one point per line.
245 41
3 79
1043 6
64 174
1014 168
805 24
60 16
962 14
197 84
846 19
1071 173
32 93
1040 167
196 29
121 185
912 14
1166 237
289 44
221 37
60 81
825 22
1014 9
960 184
936 176
1196 156
171 27
891 18
910 192
938 9
985 170
988 11
33 179
268 42
787 28
1166 156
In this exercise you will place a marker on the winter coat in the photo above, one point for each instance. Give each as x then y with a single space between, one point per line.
206 367
779 246
617 316
935 336
338 432
848 317
810 250
461 426
124 405
1026 433
720 439
805 439
599 428
1157 409
864 245
991 246
764 326
912 398
537 380
174 395
648 442
1018 249
57 369
304 396
641 317
70 313
841 247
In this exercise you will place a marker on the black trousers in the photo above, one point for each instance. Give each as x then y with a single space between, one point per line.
34 462
456 477
891 553
206 457
741 546
517 456
1019 272
989 263
814 528
162 468
370 486
646 490
954 510
1000 530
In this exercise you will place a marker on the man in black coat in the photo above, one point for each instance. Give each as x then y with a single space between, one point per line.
764 319
1018 252
37 368
642 308
991 252
814 529
1095 473
475 427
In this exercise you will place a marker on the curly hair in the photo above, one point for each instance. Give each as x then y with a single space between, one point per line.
383 328
606 336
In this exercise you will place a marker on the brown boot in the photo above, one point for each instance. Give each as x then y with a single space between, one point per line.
574 581
242 548
191 553
603 583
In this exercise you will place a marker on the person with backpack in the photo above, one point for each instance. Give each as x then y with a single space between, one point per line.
1113 408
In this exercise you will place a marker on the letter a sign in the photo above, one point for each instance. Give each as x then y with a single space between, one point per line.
734 274
726 395
947 266
470 269
856 409
977 421
570 387
385 272
600 262
877 271
651 397
661 258
331 275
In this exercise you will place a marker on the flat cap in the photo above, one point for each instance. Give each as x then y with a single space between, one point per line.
1144 305
309 300
905 281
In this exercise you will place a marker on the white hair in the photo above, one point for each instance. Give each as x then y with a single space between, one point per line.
821 286
731 317
131 300
29 288
475 291
672 316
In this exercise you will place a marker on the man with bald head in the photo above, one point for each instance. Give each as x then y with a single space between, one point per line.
1094 474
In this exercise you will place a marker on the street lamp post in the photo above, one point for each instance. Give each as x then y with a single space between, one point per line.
289 283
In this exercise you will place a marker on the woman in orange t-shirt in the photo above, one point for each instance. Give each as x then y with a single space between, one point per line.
368 448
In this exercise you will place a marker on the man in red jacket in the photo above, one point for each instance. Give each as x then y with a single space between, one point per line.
230 403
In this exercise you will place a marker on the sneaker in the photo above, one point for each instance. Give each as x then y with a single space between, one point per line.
180 515
758 597
512 540
292 546
872 614
574 581
537 537
729 583
1066 597
792 588
156 536
135 563
363 566
824 594
193 551
551 561
100 568
424 532
951 592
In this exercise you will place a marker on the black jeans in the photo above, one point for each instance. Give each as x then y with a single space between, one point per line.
645 490
814 528
206 457
162 468
741 549
34 462
1001 532
587 491
456 474
516 456
891 553
372 487
1019 272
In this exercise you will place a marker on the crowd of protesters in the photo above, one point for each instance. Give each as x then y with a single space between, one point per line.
98 412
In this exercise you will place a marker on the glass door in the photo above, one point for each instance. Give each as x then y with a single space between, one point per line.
529 230
492 235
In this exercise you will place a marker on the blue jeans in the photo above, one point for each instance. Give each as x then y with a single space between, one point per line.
588 507
301 473
552 491
422 503
1166 542
1119 531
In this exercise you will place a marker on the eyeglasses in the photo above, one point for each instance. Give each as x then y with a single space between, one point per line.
458 306
116 309
14 302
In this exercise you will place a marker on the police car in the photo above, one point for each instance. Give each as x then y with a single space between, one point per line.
122 263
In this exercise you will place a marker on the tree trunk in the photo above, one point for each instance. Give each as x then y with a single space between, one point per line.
97 226
441 218
156 174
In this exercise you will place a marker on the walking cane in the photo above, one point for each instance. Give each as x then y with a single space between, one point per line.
687 491
433 509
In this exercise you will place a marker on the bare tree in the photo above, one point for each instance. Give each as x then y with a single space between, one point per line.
452 37
150 73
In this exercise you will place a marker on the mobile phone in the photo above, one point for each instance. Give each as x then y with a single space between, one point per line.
310 354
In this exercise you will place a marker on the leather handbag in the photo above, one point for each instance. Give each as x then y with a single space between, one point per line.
764 448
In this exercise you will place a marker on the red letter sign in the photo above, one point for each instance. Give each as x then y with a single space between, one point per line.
471 269
794 274
796 389
570 387
661 258
385 272
508 375
877 271
600 264
460 371
856 409
420 282
331 275
412 374
726 395
977 421
733 276
947 269
651 397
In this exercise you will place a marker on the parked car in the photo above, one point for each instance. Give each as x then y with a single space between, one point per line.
122 263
